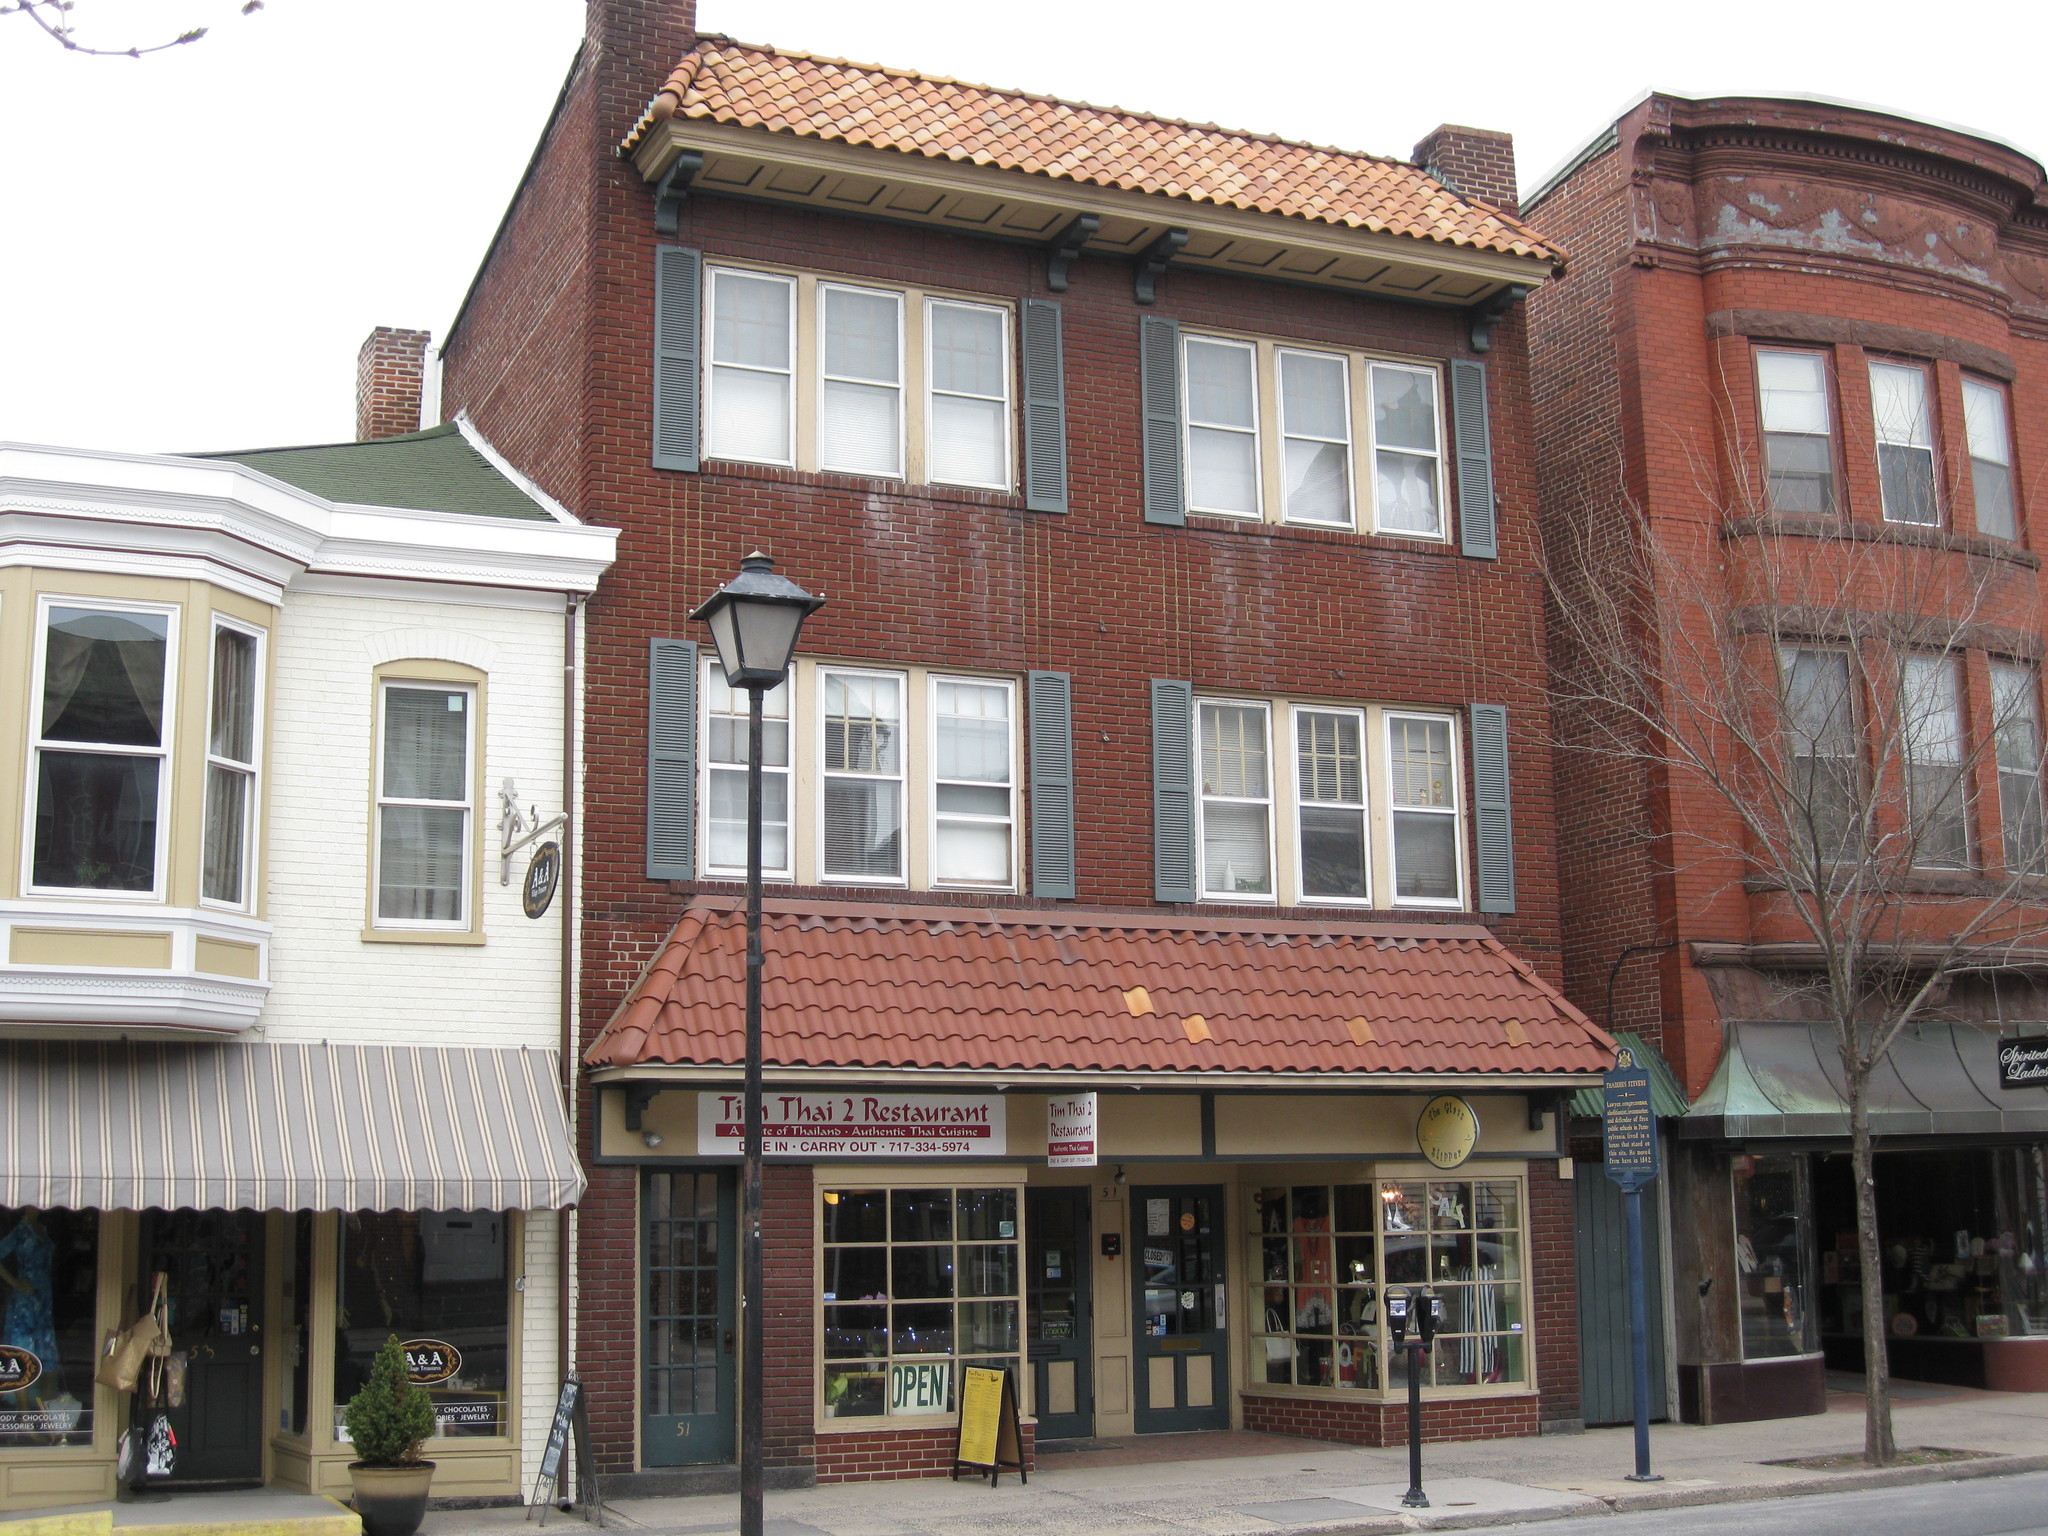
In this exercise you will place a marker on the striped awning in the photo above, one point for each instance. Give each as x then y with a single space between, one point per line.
283 1128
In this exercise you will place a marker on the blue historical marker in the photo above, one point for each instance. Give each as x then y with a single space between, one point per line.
1628 1138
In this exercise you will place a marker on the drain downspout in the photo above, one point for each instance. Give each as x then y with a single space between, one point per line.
565 1225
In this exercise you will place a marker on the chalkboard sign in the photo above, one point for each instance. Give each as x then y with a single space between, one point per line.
990 1440
1628 1122
571 1417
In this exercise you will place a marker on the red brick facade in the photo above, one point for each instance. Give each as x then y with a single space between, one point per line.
551 358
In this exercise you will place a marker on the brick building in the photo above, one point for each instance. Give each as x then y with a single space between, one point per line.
1131 456
1800 347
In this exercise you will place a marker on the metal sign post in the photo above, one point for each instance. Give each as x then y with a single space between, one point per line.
1421 1312
1628 1134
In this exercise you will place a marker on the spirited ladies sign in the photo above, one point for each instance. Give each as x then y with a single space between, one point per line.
856 1125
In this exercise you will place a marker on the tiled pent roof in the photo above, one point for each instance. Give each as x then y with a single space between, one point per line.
721 81
981 989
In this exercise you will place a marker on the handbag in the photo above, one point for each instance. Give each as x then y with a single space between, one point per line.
121 1365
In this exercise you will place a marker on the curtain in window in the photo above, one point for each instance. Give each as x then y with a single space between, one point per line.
426 735
103 677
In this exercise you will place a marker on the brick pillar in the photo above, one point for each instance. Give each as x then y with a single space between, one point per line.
390 376
1477 162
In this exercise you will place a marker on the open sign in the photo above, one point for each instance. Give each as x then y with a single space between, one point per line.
430 1361
20 1368
920 1388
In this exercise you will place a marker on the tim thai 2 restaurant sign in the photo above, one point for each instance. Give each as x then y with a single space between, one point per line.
832 1125
2023 1063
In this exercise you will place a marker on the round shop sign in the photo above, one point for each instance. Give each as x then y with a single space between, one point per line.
543 874
20 1368
429 1362
1447 1131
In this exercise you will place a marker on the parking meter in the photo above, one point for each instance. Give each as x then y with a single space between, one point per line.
1397 1312
1429 1312
1425 1312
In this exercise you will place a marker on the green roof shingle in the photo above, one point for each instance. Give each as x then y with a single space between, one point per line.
438 470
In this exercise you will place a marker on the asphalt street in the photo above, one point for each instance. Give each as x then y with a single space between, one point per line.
1989 1506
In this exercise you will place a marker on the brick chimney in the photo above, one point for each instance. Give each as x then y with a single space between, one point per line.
1477 162
390 376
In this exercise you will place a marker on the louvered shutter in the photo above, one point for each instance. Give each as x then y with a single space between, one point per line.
672 760
1045 407
1051 724
1173 790
1473 440
678 306
1492 819
1159 391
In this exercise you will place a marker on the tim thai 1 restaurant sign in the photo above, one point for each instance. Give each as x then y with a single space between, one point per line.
2023 1063
832 1125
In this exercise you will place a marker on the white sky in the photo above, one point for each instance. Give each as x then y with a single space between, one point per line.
196 243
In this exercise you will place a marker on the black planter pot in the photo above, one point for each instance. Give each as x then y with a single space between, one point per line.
391 1500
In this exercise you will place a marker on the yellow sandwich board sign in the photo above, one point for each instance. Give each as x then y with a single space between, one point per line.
989 1438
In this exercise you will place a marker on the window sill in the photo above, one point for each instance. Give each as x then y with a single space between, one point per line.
418 936
1917 535
1409 543
904 490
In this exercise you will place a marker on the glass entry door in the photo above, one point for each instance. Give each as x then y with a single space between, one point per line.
689 1344
213 1390
1183 1358
1056 1263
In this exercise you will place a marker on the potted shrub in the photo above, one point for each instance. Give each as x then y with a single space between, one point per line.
388 1420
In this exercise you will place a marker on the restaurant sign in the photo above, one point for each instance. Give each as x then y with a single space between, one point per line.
2023 1062
856 1124
1070 1130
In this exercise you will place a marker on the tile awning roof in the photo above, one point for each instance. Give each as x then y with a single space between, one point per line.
722 81
986 989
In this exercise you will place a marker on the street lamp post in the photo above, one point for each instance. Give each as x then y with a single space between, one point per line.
754 619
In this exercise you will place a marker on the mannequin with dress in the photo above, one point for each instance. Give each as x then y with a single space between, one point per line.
26 1259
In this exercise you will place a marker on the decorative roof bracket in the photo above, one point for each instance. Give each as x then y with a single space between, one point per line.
674 191
1487 315
638 1096
1065 246
1152 261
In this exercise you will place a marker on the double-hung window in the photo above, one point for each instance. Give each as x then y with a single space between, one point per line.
1799 454
1422 777
100 754
1288 434
726 724
973 800
1905 442
863 763
2016 721
1937 787
231 765
425 802
1985 424
1823 750
850 378
1329 766
1237 800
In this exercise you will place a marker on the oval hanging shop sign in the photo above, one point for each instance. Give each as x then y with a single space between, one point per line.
1447 1131
19 1368
543 874
428 1362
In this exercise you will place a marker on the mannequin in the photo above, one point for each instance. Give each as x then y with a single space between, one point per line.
30 1322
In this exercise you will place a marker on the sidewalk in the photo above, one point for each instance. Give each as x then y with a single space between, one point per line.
1242 1484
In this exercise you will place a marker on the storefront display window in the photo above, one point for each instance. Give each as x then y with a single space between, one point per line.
432 1278
1773 1212
917 1284
49 1282
1325 1253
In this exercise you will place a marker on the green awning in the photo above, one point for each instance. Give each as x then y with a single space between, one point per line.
1666 1097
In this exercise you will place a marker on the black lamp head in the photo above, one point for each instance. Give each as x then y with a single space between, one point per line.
755 619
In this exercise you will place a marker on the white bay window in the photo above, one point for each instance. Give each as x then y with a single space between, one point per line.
230 766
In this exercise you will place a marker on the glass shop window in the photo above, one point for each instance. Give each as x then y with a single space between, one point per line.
438 1280
918 1284
1773 1213
49 1282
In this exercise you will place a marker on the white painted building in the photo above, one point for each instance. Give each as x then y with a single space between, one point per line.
279 1022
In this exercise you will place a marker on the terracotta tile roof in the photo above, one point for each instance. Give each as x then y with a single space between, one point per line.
722 81
980 989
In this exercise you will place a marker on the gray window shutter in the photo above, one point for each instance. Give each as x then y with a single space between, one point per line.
1474 441
1045 407
1159 391
672 760
1173 791
1051 723
678 301
1491 817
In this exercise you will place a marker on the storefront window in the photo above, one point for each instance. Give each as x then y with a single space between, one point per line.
2021 1242
434 1278
1772 1214
1325 1252
917 1284
49 1283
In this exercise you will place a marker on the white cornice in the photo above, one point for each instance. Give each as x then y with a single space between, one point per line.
154 513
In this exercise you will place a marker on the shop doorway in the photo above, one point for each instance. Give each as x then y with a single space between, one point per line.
1183 1359
212 1262
689 1351
1058 1316
1607 1390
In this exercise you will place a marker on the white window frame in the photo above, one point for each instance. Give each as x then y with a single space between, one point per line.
1015 787
1931 447
164 752
1348 442
1256 432
902 778
253 769
1998 411
1765 431
711 366
1007 399
1364 807
1271 804
467 922
1436 459
1455 811
707 668
896 296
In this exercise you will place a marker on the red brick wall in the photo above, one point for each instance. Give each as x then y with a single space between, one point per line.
1386 1423
886 1454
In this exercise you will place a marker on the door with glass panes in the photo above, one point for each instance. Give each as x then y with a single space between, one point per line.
689 1347
1183 1357
1058 1338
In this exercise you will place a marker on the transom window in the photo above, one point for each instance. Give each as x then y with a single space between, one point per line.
1329 439
853 379
1370 804
425 800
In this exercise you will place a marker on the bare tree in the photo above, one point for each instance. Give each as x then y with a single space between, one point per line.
1807 675
55 18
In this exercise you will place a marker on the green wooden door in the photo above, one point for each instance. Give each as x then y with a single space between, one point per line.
688 1346
1177 1278
1056 1302
1603 1297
